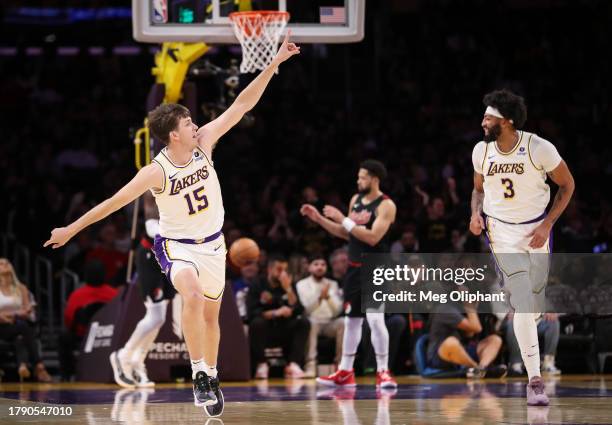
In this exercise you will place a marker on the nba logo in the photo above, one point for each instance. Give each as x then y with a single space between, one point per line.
160 11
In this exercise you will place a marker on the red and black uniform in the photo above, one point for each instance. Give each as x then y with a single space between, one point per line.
151 281
363 215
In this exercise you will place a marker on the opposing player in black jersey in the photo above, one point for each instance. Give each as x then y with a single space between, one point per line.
371 213
128 363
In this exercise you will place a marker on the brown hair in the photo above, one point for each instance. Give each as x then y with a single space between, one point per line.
165 118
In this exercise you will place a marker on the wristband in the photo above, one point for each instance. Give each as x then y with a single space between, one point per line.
348 224
152 227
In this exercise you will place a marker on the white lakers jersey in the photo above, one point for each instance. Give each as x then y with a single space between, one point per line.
190 204
515 189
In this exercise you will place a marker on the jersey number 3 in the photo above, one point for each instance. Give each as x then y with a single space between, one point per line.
201 201
509 186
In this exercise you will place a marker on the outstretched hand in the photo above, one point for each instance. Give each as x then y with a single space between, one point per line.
286 50
333 213
311 212
59 237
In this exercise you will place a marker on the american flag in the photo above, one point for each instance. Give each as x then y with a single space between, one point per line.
332 15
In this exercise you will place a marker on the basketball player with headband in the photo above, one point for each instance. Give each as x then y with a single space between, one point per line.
509 203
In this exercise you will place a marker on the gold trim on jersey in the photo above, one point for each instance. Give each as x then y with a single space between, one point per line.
159 192
513 149
166 249
484 158
487 227
214 298
163 152
167 252
495 255
529 154
206 156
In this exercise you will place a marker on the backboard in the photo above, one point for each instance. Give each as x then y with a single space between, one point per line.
311 21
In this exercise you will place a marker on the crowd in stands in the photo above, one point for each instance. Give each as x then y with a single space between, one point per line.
415 105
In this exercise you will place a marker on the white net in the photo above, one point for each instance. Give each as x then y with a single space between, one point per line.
259 33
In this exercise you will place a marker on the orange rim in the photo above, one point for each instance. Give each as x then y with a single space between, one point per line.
255 13
235 17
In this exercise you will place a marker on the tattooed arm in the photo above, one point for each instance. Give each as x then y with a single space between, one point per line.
476 221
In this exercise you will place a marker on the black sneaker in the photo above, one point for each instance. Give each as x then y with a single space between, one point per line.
215 410
475 373
497 371
203 394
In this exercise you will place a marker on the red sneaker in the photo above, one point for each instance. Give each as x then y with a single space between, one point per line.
385 380
340 378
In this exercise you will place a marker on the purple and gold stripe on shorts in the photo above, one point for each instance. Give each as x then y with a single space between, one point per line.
163 257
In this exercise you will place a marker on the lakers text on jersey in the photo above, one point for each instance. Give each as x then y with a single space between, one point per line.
190 203
515 188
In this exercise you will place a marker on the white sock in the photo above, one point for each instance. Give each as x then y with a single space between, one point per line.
151 323
380 340
526 333
198 365
125 355
211 371
350 341
525 328
549 360
140 355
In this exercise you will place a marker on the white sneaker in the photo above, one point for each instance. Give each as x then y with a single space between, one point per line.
262 371
122 371
551 369
293 370
141 379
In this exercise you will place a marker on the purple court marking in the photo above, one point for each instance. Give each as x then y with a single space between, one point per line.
283 393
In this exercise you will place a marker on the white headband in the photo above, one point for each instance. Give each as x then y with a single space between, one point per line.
495 113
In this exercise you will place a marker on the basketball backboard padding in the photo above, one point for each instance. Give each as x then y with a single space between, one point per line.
218 29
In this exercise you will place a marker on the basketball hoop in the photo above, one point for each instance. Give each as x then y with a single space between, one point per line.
258 33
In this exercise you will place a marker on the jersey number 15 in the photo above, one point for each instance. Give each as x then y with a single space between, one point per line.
200 201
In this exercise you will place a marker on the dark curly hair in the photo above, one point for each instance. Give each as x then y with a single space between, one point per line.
511 106
374 168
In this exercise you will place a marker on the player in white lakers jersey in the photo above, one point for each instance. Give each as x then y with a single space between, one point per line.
509 202
190 247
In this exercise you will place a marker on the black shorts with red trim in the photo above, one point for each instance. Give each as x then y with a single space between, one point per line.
151 281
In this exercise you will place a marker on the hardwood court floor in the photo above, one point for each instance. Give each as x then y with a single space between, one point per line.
574 400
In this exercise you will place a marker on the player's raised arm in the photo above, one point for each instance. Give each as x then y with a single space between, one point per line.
209 134
385 217
148 177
